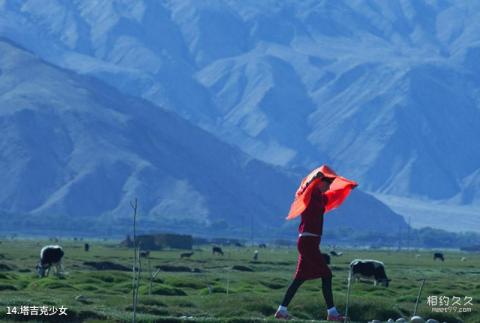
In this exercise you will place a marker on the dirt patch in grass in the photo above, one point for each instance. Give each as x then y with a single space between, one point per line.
172 268
183 303
262 308
368 308
109 277
5 267
106 265
277 263
275 283
183 282
25 270
241 268
147 309
152 300
90 280
163 290
7 287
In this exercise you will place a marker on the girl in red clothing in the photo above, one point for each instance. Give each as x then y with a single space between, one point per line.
319 192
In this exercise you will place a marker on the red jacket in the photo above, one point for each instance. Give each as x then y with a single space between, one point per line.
312 217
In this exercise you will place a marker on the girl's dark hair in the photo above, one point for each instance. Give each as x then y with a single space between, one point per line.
328 179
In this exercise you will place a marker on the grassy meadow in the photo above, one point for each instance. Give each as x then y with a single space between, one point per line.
229 288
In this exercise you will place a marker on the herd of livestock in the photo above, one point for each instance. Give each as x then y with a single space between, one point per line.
360 269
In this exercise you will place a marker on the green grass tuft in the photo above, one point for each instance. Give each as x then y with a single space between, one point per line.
49 283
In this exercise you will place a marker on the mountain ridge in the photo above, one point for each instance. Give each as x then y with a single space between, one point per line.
384 91
75 152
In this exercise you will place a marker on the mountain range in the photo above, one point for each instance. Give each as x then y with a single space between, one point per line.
75 153
386 92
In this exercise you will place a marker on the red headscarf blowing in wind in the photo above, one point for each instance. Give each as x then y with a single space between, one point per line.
338 192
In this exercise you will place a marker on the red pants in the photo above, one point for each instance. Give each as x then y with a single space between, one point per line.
311 263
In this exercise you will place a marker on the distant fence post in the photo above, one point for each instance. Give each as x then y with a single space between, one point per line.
228 281
418 296
152 277
348 295
136 260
